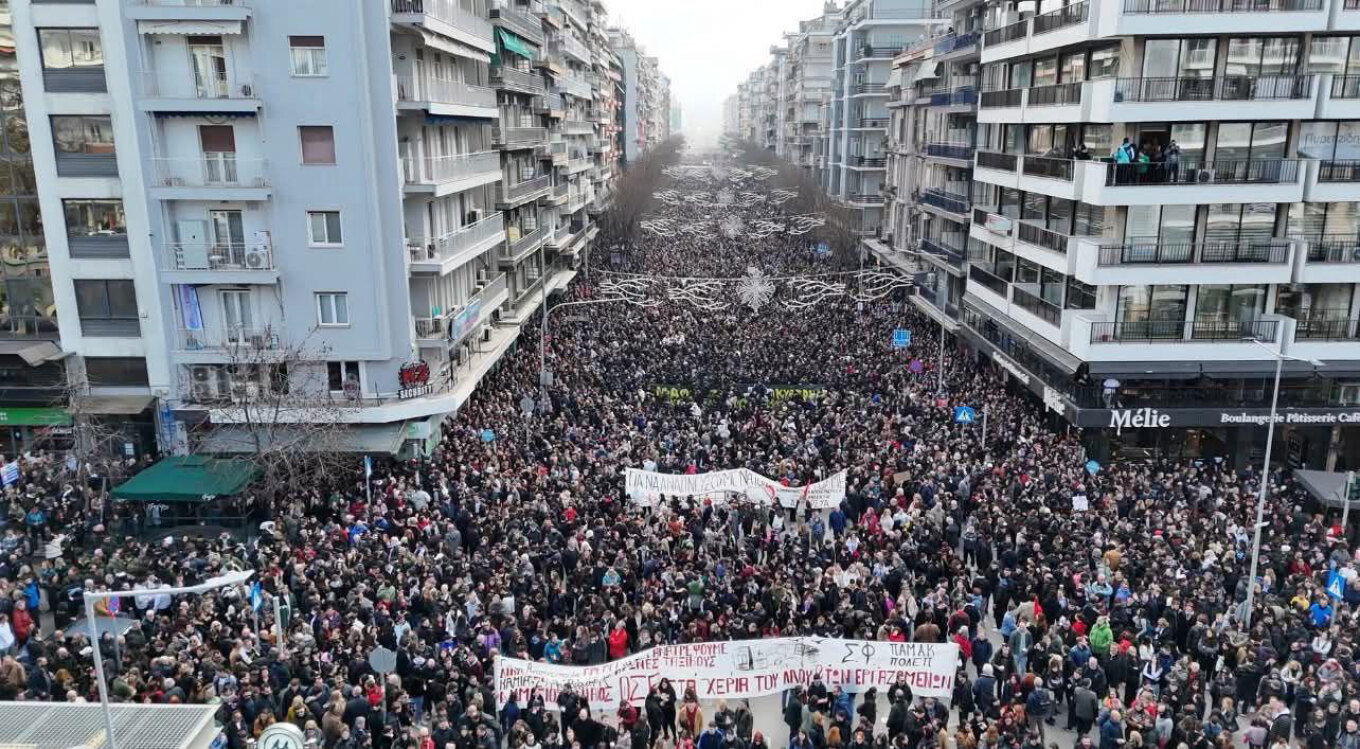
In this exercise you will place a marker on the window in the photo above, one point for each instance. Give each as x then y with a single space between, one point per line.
95 218
323 228
107 308
1330 140
1258 55
308 55
1104 62
1080 295
1334 54
342 374
116 371
318 144
93 135
70 49
332 308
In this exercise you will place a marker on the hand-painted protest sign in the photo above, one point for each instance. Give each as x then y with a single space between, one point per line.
647 487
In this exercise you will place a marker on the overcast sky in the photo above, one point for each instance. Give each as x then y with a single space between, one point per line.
707 47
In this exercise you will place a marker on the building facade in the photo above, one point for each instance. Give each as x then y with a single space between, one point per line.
358 202
646 99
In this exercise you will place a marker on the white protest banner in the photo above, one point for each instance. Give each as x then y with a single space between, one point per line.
647 487
737 670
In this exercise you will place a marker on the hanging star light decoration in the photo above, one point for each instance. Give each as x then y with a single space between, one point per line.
724 198
755 289
731 227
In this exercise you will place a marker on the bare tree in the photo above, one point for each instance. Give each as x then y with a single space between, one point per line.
634 189
841 231
273 406
95 446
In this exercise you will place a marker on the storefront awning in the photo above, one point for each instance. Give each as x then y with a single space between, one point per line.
1055 354
115 405
1327 487
33 353
928 71
187 478
1151 370
514 44
455 47
894 79
355 439
1232 370
190 28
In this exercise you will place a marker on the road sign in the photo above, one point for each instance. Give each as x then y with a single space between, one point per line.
823 249
1335 585
382 660
526 404
901 338
1092 467
964 415
545 378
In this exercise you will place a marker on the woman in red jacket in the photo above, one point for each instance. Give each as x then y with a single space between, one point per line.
618 642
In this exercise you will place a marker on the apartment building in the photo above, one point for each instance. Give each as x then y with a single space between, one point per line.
808 88
869 35
1148 296
646 99
376 194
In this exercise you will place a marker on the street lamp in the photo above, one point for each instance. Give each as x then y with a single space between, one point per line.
1265 474
543 337
221 581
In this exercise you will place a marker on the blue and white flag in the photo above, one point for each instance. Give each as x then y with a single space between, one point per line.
10 473
368 467
256 596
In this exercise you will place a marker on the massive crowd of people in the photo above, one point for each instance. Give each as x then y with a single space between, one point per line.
1124 622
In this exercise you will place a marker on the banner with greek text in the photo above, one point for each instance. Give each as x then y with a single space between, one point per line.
647 487
737 670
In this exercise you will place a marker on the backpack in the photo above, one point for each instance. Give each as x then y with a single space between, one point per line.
1043 703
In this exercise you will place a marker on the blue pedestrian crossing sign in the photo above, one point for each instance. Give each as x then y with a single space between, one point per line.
1335 585
901 338
823 249
964 415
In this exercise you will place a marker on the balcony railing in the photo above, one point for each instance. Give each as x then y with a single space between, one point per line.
505 136
959 151
989 280
959 95
1176 331
211 170
1041 237
1006 162
1221 88
1327 329
523 24
1334 248
229 338
868 51
935 247
1346 86
455 243
452 168
872 87
1228 171
522 190
873 122
195 3
1068 15
1037 306
1008 33
527 242
1219 6
955 42
1009 97
448 11
871 162
1270 251
218 256
217 86
1047 96
1339 171
444 91
865 198
1045 166
517 80
945 201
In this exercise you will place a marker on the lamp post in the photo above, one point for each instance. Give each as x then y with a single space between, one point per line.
222 581
1265 475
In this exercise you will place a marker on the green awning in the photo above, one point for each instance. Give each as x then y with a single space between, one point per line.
514 44
187 478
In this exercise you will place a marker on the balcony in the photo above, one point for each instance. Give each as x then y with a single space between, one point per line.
519 249
519 138
446 17
1334 249
949 151
219 263
1047 167
1271 251
578 127
868 52
865 200
572 86
1007 97
1219 172
1338 171
866 162
1249 260
212 176
1003 34
1193 181
455 249
1221 16
955 43
1037 306
945 201
1327 329
189 10
445 175
1039 236
1068 15
509 196
523 24
872 88
1173 331
959 96
933 247
1004 162
514 79
572 47
219 94
988 280
440 96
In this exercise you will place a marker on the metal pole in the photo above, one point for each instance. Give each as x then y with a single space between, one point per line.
278 627
542 332
1346 508
941 386
1261 496
984 427
99 672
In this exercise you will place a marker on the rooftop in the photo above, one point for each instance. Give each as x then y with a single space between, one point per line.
62 725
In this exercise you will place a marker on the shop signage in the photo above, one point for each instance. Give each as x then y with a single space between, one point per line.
415 380
1139 418
465 321
34 417
1019 374
1053 400
1152 418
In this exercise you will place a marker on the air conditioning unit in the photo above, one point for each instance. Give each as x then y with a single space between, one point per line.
256 258
247 91
202 383
1204 176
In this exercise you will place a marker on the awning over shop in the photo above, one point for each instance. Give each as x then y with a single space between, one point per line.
218 114
187 478
121 405
894 79
32 352
1055 354
357 439
1232 370
1153 370
514 44
1327 487
928 71
190 28
455 47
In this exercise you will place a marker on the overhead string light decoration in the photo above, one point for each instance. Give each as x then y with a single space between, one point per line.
754 290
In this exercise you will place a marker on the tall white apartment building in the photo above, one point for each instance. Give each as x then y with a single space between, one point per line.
646 91
1166 201
366 186
807 88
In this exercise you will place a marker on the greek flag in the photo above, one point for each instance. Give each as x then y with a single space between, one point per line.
256 596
